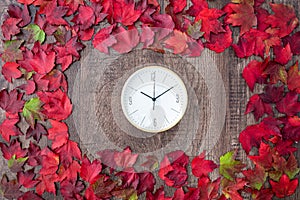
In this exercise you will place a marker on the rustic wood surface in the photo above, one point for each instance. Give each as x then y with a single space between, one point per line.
214 118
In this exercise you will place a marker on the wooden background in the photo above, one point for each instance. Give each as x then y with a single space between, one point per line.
212 122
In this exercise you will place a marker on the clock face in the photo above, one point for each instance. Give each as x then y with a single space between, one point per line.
154 99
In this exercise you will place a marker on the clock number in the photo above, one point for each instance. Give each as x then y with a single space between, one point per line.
155 122
153 74
177 98
130 101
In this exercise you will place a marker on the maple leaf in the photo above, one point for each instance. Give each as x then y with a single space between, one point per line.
11 101
10 27
49 162
283 54
256 177
10 189
85 17
67 152
46 184
58 133
20 13
107 158
16 164
285 187
293 78
29 87
242 15
202 167
289 105
146 182
42 62
10 70
284 19
147 36
221 41
151 163
8 128
69 172
208 189
57 105
258 107
26 178
125 159
52 81
158 195
34 153
276 72
291 168
129 178
178 6
90 172
102 188
253 134
229 165
272 94
71 189
264 157
263 194
103 39
253 73
11 51
126 39
210 23
13 149
198 5
192 194
32 111
30 195
71 4
177 42
28 2
231 188
54 14
293 41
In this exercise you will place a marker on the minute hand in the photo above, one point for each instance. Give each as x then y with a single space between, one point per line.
164 92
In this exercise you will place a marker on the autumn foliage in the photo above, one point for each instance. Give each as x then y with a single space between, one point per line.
39 46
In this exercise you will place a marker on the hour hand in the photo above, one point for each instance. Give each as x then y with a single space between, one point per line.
153 99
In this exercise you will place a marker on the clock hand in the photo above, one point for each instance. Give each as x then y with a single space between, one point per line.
154 95
148 96
164 93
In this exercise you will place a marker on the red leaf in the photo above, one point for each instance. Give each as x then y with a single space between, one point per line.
10 28
158 195
258 107
210 22
10 70
264 157
242 15
90 172
231 188
256 177
30 195
36 132
34 153
69 172
253 73
272 94
130 178
202 167
72 189
289 105
293 80
49 162
284 19
276 72
57 105
253 135
263 194
177 42
285 187
10 189
20 13
126 40
42 62
47 184
221 41
11 101
85 17
29 87
54 14
14 148
125 159
26 179
197 6
8 128
102 188
28 2
283 54
208 189
103 39
146 182
107 158
178 5
67 152
294 42
51 81
58 134
71 4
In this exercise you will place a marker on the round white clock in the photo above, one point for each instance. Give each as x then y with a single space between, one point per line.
154 99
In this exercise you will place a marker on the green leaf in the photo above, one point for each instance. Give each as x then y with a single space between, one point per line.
35 32
13 161
134 196
32 111
291 168
229 166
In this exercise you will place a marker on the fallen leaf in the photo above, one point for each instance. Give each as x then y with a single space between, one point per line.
202 167
285 187
11 101
229 166
58 133
90 172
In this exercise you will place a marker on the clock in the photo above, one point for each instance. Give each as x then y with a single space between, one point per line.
154 99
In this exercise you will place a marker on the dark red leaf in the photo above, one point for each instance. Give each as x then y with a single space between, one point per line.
67 152
34 153
26 178
264 194
54 14
178 5
42 62
284 19
293 80
90 172
14 148
9 27
202 167
198 5
102 188
49 162
289 105
71 4
126 158
276 72
57 105
103 39
264 158
58 134
242 15
11 101
146 182
30 195
20 13
285 187
231 188
130 179
258 107
256 177
221 41
294 42
10 189
36 132
69 172
11 51
71 189
126 39
158 195
85 17
272 94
